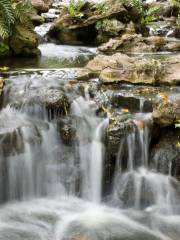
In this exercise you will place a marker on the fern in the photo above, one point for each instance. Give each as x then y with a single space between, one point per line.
7 18
147 14
74 8
12 11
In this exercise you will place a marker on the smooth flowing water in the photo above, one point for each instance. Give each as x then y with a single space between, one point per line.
54 190
53 160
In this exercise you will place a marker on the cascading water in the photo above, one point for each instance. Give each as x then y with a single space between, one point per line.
91 149
53 189
139 186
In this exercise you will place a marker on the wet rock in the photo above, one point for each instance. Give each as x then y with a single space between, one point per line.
4 49
172 71
37 20
166 109
109 28
165 153
119 127
16 130
67 132
83 74
101 62
41 5
173 46
1 85
121 68
24 41
127 43
54 100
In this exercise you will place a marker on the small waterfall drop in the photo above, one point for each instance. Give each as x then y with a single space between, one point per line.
141 186
91 149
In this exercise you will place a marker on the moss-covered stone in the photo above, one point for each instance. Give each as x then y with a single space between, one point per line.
4 49
24 41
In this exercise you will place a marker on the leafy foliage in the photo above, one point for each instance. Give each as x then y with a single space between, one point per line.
74 8
101 8
147 14
12 11
7 18
176 3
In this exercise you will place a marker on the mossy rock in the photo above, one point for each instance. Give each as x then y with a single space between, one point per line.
24 41
4 49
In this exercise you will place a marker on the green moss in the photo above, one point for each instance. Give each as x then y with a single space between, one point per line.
4 49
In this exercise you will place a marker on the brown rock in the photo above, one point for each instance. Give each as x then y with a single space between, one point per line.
41 5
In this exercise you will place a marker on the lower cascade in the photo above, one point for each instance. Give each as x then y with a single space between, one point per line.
89 120
53 189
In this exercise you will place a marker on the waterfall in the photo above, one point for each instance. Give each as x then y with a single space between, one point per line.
96 163
141 186
91 148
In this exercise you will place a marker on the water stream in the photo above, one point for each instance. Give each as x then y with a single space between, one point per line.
51 188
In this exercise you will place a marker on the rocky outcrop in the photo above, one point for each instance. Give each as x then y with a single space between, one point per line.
127 43
24 41
166 109
165 153
119 127
41 5
100 23
121 68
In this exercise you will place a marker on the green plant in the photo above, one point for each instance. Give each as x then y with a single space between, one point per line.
101 8
74 8
146 13
7 18
175 3
4 48
12 11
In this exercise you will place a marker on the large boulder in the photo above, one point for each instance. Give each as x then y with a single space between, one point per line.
166 109
172 68
127 43
24 41
119 127
121 68
41 5
72 29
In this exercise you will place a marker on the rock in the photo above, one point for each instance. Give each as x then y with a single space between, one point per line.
1 85
127 43
172 46
109 28
165 153
15 130
100 62
143 71
75 30
166 109
52 99
4 49
121 68
119 127
24 41
156 41
41 5
67 132
172 71
37 20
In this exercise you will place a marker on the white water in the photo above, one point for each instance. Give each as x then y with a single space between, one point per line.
57 190
91 148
